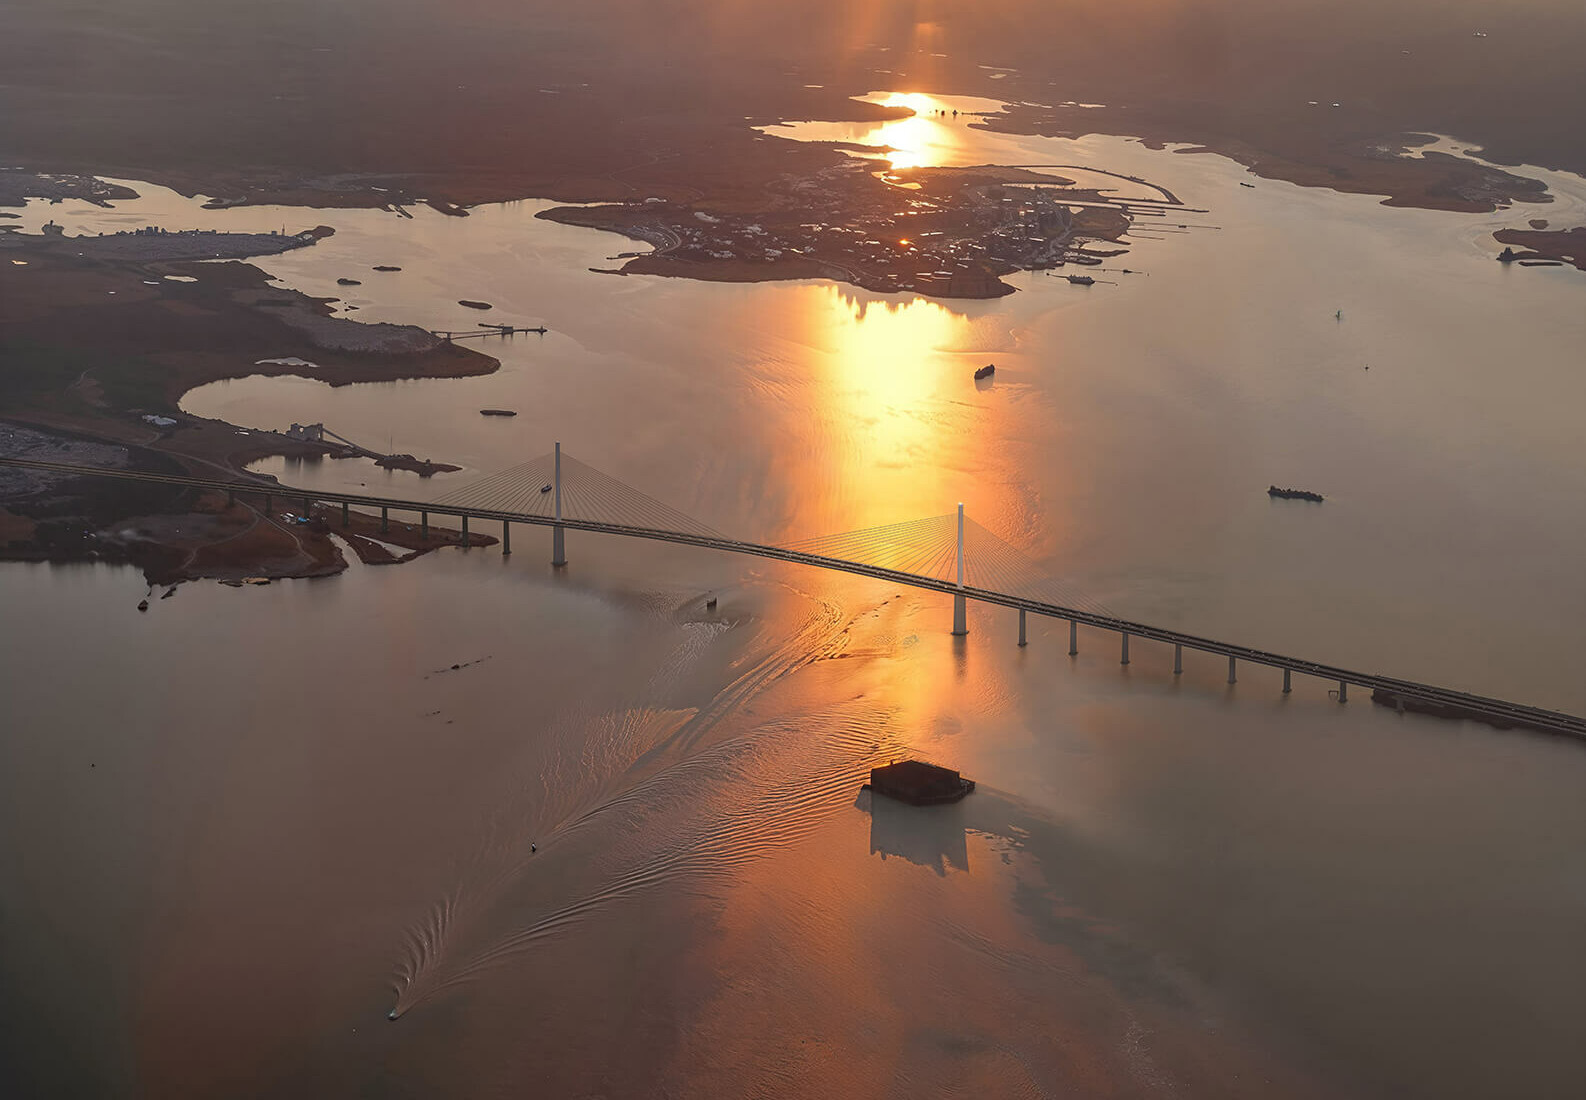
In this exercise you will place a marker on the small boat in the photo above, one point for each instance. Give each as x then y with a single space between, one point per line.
348 282
471 304
498 412
1242 183
1293 494
143 605
545 488
1081 280
986 371
386 267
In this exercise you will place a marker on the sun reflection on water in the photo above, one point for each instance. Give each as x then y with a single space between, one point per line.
932 136
889 387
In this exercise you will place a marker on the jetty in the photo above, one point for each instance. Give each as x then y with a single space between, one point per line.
487 330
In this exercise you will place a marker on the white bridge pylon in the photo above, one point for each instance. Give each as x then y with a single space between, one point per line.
559 486
954 549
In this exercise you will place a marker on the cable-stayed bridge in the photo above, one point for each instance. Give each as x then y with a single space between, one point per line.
949 554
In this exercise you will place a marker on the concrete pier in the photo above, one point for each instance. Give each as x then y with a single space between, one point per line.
1124 658
1021 627
558 538
465 530
1286 674
424 525
266 503
1231 678
960 609
1343 692
385 519
1178 660
308 506
506 537
345 513
1073 638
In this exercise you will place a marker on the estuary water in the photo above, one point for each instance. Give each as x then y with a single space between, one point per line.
585 837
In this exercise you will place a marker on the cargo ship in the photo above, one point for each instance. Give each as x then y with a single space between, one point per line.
1293 494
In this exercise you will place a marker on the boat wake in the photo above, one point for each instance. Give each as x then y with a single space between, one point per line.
721 813
623 766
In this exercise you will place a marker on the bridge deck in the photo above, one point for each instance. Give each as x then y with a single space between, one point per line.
1495 709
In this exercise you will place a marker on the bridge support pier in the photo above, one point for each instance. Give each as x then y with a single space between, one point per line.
1073 638
465 531
308 506
266 503
1178 659
385 519
1022 640
1124 659
345 518
424 525
506 537
1231 677
558 536
960 611
1286 688
1343 692
231 498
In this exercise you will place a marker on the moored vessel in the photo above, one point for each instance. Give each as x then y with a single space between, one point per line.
1293 494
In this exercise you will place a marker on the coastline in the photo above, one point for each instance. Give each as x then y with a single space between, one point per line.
112 345
1564 246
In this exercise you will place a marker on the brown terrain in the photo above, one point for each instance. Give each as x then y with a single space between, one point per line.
944 232
1558 245
618 100
96 351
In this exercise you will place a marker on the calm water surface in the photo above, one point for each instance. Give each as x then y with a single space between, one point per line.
243 828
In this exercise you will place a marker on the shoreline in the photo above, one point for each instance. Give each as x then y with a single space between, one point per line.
73 318
1557 246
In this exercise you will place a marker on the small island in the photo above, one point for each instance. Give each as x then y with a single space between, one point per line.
1548 246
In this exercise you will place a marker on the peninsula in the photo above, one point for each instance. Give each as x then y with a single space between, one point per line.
103 335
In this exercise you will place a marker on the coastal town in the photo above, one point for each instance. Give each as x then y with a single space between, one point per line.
941 232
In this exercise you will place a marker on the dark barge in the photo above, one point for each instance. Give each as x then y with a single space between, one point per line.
918 783
1293 494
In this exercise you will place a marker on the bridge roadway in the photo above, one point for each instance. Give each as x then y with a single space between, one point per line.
1497 710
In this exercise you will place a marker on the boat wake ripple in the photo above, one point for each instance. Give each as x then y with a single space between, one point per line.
629 762
744 818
